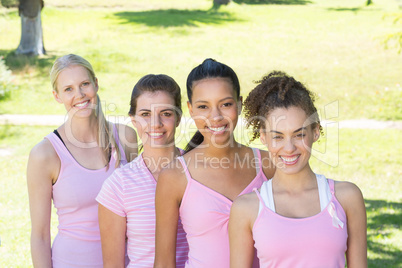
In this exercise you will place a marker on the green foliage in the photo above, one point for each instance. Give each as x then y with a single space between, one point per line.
9 3
6 80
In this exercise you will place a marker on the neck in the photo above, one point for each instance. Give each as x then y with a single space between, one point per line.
230 150
157 158
294 182
82 130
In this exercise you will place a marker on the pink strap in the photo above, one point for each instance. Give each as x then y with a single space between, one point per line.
183 163
255 190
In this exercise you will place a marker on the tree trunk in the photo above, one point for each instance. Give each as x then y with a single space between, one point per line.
31 28
218 3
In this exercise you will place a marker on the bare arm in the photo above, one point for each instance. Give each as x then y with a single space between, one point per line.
113 237
43 168
351 199
128 138
242 217
169 193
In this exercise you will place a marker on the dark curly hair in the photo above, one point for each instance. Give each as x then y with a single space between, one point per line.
277 90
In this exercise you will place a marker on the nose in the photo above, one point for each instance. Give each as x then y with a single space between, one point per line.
80 92
216 115
289 145
156 121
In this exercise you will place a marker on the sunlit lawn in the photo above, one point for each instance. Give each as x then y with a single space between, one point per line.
335 47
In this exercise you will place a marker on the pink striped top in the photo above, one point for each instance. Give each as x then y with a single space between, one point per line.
130 192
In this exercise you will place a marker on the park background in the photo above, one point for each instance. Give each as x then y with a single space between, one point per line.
346 52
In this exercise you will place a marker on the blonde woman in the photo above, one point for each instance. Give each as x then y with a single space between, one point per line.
69 167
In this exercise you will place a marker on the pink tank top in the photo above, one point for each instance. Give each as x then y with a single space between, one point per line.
78 239
316 241
205 214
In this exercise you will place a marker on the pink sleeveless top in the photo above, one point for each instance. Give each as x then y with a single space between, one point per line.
205 214
316 241
77 243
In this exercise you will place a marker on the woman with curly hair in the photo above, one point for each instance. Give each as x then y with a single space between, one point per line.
298 218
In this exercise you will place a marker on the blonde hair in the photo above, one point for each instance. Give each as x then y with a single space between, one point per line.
105 137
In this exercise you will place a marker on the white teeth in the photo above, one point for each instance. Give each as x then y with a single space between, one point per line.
81 104
155 134
217 129
289 159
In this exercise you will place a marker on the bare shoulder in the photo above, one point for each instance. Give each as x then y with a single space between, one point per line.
172 182
245 209
126 133
128 138
43 162
43 152
348 194
173 173
246 201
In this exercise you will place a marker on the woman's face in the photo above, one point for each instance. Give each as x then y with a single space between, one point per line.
156 119
77 91
215 108
289 136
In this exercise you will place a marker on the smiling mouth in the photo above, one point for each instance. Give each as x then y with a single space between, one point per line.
217 129
82 104
290 160
156 135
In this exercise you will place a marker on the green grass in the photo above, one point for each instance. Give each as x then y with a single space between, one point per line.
371 162
336 47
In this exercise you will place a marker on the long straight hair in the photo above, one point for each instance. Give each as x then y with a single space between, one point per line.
209 68
105 135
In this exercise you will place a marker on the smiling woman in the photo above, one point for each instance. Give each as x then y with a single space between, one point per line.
127 198
200 186
69 167
298 218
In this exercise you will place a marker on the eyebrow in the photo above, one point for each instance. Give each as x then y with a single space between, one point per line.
204 101
297 130
148 110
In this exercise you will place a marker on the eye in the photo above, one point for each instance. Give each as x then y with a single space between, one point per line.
145 114
277 137
228 104
167 114
300 135
68 89
202 107
86 84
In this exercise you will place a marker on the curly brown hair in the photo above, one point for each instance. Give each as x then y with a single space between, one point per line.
277 90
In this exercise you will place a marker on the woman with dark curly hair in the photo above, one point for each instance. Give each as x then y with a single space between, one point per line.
298 218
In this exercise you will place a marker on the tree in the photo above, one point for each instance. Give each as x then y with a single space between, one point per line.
31 28
218 3
31 42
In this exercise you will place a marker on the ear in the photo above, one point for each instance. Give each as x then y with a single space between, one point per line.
96 84
190 108
239 105
133 121
178 119
56 96
316 132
